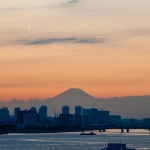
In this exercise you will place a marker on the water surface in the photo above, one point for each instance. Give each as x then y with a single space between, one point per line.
73 141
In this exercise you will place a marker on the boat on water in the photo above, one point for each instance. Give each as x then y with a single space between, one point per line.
117 146
91 133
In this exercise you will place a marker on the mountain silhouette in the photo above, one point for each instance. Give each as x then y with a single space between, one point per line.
127 107
71 97
74 93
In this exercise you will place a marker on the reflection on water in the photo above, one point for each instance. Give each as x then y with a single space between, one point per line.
73 141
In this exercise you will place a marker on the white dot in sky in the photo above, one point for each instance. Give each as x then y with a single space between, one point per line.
29 27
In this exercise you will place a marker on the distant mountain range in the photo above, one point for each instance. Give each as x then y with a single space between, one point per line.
127 107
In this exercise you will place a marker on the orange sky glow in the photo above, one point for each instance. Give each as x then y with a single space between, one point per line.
102 47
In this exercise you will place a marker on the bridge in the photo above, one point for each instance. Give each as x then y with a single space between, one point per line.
122 128
48 128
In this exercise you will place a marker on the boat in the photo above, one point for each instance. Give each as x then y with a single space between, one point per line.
91 133
117 146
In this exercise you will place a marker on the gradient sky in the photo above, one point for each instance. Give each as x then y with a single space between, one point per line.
48 46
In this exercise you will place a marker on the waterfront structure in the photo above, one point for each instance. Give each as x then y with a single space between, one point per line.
1 115
117 146
20 115
78 110
27 117
70 119
131 122
65 110
15 113
76 120
103 116
114 120
4 114
93 115
30 117
43 113
146 122
65 119
85 120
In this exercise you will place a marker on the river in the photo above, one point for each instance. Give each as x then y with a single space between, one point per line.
139 139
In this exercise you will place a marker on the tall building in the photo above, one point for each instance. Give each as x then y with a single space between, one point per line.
146 122
20 115
92 115
1 115
4 114
76 120
70 119
27 117
43 113
65 119
103 116
78 110
33 109
30 117
65 110
15 112
114 119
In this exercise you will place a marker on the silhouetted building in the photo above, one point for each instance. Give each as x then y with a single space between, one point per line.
65 110
78 110
15 113
43 113
146 122
103 116
92 115
133 122
30 117
33 109
95 116
85 120
70 119
1 115
27 117
53 120
4 114
65 119
20 115
114 120
76 120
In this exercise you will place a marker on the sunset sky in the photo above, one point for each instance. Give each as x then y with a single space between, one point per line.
48 46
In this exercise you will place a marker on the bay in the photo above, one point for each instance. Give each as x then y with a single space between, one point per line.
139 139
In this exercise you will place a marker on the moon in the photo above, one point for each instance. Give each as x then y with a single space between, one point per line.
29 27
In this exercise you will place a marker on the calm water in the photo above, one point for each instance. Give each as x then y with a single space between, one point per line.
73 141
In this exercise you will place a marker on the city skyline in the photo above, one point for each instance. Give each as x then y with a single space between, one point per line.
48 46
75 74
74 97
80 117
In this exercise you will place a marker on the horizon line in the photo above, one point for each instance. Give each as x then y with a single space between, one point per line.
43 99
